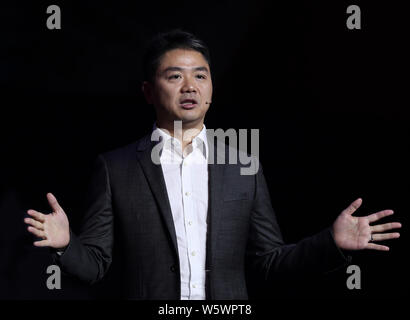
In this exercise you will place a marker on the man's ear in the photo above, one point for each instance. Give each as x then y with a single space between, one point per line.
148 91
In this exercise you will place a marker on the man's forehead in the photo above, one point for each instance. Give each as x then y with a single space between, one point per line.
184 59
179 68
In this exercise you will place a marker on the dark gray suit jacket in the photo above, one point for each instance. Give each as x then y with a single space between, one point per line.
129 222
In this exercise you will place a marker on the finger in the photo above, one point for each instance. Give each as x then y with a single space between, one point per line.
385 227
353 206
36 232
42 243
53 202
36 215
385 236
379 247
34 223
378 215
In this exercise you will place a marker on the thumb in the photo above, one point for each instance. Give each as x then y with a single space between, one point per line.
53 202
353 206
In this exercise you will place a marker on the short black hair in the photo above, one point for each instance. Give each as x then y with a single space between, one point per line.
166 41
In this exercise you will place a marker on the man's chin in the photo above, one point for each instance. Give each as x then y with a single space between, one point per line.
191 121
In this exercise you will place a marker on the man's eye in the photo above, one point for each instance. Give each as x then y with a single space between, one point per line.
174 76
201 76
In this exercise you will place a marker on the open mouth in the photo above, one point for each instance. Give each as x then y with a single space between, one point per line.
188 103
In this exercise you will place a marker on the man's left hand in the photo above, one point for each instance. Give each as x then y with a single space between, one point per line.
356 233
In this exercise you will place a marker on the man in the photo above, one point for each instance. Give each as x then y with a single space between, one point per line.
186 227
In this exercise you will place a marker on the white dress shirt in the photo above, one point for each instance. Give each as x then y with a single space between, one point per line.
186 179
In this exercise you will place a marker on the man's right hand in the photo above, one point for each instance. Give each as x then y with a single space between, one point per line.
53 228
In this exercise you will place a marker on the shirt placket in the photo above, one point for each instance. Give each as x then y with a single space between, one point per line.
189 219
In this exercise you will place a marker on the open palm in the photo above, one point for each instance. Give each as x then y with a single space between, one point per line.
356 233
53 228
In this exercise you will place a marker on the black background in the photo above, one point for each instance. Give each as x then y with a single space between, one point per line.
330 104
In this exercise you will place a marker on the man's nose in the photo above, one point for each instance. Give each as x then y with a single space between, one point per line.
188 86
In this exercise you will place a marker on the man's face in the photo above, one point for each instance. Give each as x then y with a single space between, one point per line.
181 89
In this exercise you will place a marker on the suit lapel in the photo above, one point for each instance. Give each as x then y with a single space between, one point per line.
216 172
153 173
216 178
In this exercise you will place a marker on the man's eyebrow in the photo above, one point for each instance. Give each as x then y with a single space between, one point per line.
202 68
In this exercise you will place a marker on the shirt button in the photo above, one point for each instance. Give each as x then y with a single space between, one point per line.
187 194
193 253
190 223
193 286
185 164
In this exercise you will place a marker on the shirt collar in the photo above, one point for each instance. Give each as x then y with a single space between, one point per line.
200 141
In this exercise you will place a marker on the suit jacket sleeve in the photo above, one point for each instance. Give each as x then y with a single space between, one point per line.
269 255
88 256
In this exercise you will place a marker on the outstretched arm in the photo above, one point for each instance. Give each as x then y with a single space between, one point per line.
269 255
87 256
